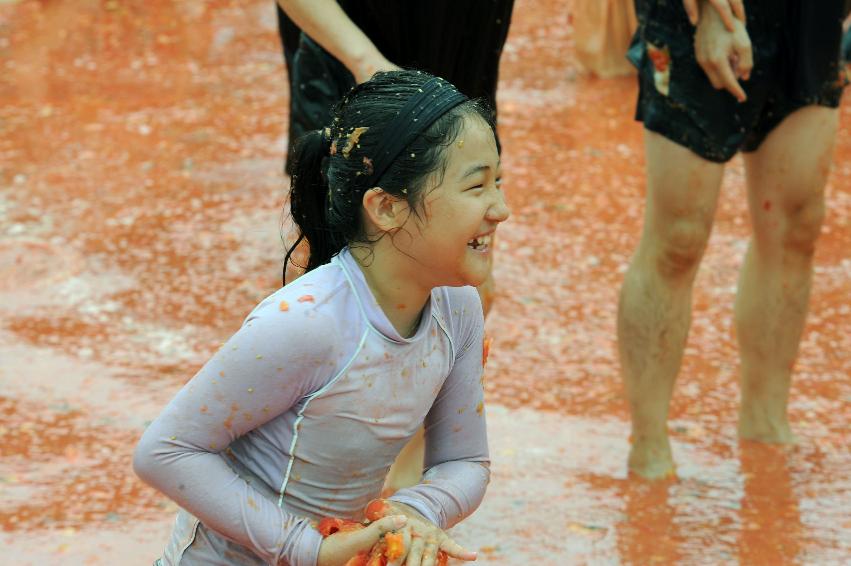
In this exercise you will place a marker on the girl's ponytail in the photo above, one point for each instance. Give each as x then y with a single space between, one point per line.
309 201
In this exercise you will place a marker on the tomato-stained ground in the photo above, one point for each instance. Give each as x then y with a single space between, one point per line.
141 190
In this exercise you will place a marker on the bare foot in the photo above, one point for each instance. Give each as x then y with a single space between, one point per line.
651 459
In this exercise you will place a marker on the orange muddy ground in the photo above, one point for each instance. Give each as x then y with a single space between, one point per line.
140 206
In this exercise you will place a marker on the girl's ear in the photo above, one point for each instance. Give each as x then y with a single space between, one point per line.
384 211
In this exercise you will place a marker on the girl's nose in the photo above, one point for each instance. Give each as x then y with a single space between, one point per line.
499 211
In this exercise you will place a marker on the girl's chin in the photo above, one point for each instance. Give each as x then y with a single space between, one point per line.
466 279
471 271
479 269
476 278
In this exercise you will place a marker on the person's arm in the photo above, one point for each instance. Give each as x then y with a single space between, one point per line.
329 26
728 10
724 56
258 374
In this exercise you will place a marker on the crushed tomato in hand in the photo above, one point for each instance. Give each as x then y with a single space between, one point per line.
376 510
390 547
395 546
359 559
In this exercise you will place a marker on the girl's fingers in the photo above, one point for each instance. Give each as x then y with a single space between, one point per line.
387 524
342 546
430 553
406 542
364 539
455 550
415 555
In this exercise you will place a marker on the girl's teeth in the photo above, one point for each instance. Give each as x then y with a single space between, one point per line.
480 242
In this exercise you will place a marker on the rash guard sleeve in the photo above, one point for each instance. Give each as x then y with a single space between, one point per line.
276 358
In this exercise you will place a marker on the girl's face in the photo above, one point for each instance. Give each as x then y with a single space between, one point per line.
452 238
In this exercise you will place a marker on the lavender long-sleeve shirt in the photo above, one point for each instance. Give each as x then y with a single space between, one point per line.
301 413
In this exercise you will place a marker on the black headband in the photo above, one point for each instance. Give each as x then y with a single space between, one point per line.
434 99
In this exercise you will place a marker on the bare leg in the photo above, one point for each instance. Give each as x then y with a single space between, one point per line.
407 470
654 313
786 179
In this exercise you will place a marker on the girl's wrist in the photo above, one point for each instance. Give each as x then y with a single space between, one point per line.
378 508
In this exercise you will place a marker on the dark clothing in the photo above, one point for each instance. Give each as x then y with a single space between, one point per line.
318 81
289 34
460 41
796 49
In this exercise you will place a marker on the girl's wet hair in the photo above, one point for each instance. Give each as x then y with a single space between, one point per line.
334 166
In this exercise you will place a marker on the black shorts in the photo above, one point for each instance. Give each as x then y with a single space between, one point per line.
796 49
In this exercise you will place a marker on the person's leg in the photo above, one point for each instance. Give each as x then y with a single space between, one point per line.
655 303
786 180
407 470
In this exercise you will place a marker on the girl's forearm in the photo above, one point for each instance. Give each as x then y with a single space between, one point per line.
202 483
449 493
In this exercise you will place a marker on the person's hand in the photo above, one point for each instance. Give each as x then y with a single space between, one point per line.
338 548
368 66
724 56
426 538
727 9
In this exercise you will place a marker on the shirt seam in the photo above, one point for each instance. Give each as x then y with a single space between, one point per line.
301 412
189 542
448 337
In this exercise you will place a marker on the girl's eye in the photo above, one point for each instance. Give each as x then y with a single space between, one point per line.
499 182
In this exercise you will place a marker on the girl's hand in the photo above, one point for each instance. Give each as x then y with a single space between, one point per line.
724 56
426 538
337 549
728 10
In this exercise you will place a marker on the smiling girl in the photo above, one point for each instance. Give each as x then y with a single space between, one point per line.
301 413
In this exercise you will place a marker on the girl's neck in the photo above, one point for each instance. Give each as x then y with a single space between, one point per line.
400 297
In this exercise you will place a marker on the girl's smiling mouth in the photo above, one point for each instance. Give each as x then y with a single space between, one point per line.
481 243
